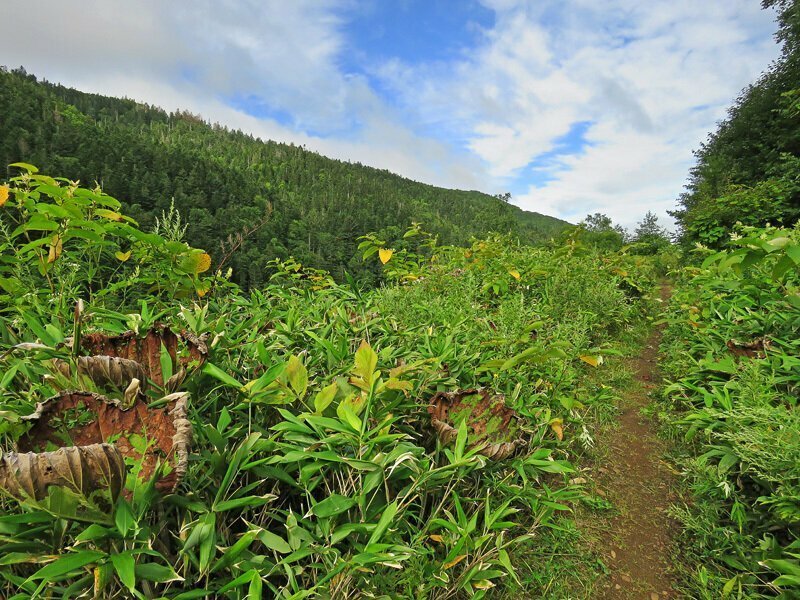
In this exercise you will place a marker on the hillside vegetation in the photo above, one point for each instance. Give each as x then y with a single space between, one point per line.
315 469
296 202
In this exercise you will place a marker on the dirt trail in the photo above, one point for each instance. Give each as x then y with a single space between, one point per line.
637 545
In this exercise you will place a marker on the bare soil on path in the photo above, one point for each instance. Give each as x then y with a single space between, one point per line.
637 546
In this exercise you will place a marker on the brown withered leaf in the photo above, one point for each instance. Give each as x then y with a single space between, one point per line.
83 469
106 372
755 349
147 436
490 410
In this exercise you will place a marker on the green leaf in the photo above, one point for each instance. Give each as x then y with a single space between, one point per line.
385 520
346 413
323 398
125 566
39 222
67 564
254 591
217 373
165 360
297 376
461 440
274 542
365 363
123 517
195 263
23 165
156 573
334 504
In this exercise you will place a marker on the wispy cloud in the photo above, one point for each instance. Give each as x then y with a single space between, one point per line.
574 106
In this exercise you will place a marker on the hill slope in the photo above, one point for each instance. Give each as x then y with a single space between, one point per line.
225 181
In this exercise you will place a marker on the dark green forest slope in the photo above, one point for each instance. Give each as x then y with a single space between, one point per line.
225 182
747 171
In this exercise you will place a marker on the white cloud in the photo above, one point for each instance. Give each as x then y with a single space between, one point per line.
651 78
198 56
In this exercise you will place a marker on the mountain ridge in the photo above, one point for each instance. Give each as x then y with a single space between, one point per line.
224 180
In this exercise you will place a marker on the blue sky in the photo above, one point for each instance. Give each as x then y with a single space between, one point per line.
574 106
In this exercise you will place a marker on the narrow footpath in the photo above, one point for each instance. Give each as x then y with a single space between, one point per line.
637 546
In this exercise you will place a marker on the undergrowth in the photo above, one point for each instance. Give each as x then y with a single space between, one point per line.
313 471
730 352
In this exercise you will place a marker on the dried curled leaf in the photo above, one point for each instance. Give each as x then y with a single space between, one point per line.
106 372
492 425
84 469
185 351
145 436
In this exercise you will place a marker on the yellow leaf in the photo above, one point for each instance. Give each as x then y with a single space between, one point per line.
108 214
557 426
514 273
454 562
55 249
122 256
593 360
483 584
385 254
3 194
437 538
202 287
195 263
204 264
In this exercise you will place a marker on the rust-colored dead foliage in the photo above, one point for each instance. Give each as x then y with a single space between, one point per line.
755 349
143 435
492 426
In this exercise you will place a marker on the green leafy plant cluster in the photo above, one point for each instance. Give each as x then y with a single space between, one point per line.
731 352
314 471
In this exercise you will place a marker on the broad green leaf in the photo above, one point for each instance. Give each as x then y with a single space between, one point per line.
274 542
67 564
366 362
156 573
123 517
297 376
345 412
125 566
254 591
195 263
386 519
334 504
23 165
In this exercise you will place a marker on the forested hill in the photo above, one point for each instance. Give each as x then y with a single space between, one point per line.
224 182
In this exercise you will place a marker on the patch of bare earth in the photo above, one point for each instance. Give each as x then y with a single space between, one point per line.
637 545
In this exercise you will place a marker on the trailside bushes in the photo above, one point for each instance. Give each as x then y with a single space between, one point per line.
731 354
